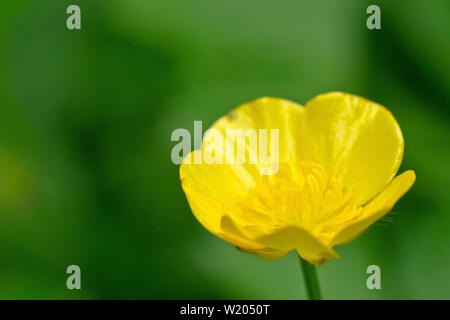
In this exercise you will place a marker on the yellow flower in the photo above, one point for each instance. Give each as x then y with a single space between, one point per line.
338 157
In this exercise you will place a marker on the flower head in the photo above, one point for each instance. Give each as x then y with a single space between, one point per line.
337 161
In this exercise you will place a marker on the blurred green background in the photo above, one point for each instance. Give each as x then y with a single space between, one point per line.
85 124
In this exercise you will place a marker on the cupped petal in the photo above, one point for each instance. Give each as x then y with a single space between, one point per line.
266 253
232 231
266 113
211 191
376 208
295 237
354 138
220 183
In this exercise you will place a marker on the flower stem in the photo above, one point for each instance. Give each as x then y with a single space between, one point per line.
311 280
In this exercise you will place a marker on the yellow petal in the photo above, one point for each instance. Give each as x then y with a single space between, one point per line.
377 208
354 138
231 233
295 237
267 253
211 190
268 113
220 183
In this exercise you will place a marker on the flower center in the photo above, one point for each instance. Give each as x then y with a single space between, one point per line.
300 194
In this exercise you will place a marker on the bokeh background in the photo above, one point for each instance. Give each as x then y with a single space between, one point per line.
85 124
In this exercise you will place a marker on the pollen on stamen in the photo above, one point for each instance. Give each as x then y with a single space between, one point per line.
300 194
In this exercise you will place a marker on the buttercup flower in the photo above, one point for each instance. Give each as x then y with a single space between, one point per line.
338 158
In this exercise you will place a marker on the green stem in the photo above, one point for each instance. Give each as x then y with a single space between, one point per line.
311 280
